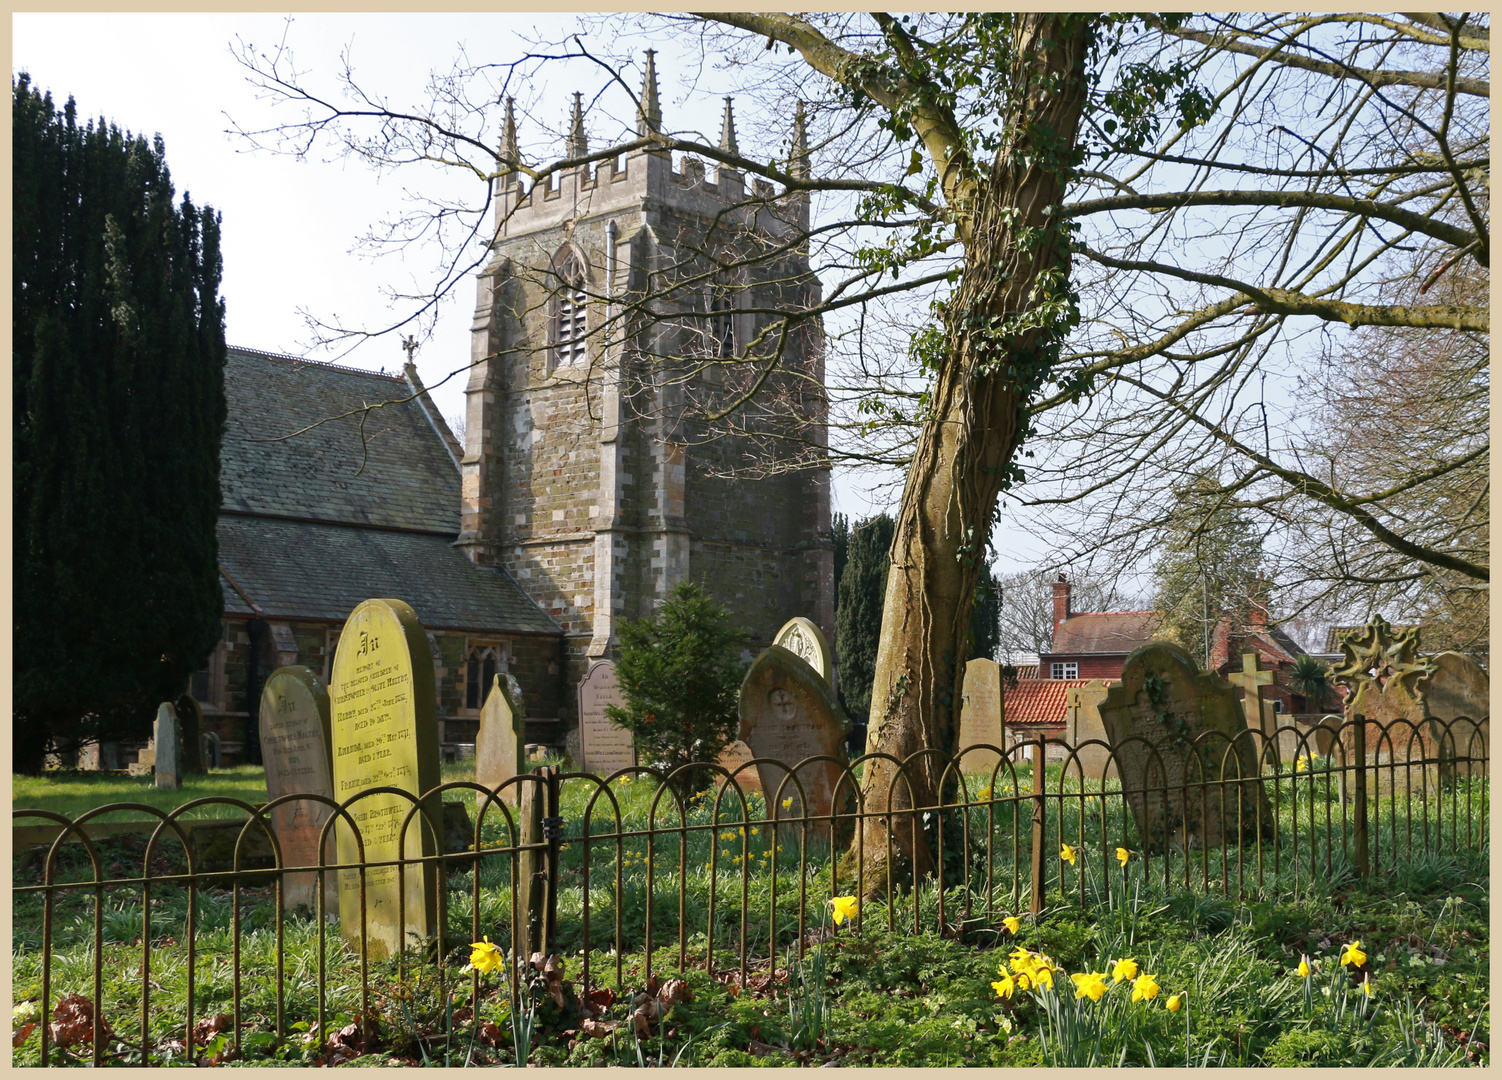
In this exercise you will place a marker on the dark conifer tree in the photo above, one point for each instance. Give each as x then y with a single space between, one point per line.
117 340
857 619
985 617
841 533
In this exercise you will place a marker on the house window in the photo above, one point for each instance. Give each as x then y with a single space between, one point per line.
570 321
1277 705
721 323
1069 670
479 674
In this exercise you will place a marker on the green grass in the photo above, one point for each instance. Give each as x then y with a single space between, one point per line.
72 794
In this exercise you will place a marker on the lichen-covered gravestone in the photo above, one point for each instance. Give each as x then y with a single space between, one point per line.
499 745
981 718
605 746
385 734
1082 724
1458 697
1178 734
788 713
295 743
167 765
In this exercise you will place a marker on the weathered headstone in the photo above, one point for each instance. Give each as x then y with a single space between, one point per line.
1250 680
732 758
190 734
1382 670
572 750
167 766
385 734
295 745
981 716
1177 733
213 750
1458 695
788 713
604 746
499 745
1082 724
805 640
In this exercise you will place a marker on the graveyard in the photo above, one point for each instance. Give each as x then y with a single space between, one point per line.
1202 891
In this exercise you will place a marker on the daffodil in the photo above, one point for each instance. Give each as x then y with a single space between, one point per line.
484 957
1369 987
1145 987
1122 855
1353 955
1301 764
983 793
728 834
1091 985
1012 923
1176 1002
1005 985
1068 854
845 907
787 803
1124 971
756 832
1304 969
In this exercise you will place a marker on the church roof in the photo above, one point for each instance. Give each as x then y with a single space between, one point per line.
312 525
401 476
1103 632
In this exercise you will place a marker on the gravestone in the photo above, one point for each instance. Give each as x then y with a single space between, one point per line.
213 751
736 754
788 713
167 765
982 719
145 763
571 750
499 744
806 641
603 745
385 734
1174 729
190 734
1082 723
1458 695
295 745
1250 680
1382 670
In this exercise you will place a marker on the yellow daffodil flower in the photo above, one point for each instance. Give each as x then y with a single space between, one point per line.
1304 969
787 803
1353 955
1122 855
1005 985
1068 854
1176 1002
983 793
1145 987
1091 985
1369 987
484 956
1124 971
756 832
845 907
1301 764
1012 923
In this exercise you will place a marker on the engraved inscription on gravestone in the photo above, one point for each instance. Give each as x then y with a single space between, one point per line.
385 734
604 746
295 746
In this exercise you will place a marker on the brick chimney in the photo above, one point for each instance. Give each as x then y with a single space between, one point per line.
1258 597
1060 605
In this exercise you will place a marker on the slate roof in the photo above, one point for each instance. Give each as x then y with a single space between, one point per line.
1103 632
306 531
1039 701
402 477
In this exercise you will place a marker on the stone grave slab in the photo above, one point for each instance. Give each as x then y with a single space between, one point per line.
190 734
1171 726
1458 695
385 734
736 754
167 765
499 744
982 719
603 745
788 713
1082 723
805 640
295 739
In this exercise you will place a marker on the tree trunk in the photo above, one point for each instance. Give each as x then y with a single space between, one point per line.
1001 331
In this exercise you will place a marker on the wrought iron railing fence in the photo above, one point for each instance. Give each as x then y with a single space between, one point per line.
635 878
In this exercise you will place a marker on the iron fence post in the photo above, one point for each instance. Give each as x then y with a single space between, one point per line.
1035 901
552 829
1361 855
531 868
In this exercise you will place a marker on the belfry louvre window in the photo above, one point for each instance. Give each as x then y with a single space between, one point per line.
721 323
570 320
479 675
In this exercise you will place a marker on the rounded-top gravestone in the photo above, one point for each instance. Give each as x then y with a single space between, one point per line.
295 747
805 640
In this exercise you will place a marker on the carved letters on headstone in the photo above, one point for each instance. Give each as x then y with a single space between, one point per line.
295 743
385 734
736 754
788 713
981 717
167 765
805 640
1176 733
499 746
605 746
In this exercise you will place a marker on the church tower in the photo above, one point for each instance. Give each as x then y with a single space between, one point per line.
627 306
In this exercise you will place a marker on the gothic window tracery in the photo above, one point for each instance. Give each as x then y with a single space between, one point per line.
483 662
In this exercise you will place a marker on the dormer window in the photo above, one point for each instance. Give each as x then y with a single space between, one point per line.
569 312
1067 670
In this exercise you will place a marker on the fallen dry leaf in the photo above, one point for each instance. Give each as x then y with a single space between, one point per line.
73 1021
209 1026
489 1034
23 1033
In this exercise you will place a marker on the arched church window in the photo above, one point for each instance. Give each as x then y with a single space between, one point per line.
722 342
569 311
484 661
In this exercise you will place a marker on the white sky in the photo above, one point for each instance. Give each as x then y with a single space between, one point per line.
289 227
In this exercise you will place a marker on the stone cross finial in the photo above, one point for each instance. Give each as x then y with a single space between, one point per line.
649 112
727 131
578 143
510 154
410 344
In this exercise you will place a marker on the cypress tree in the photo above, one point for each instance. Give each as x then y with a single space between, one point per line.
857 619
841 534
985 617
117 339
